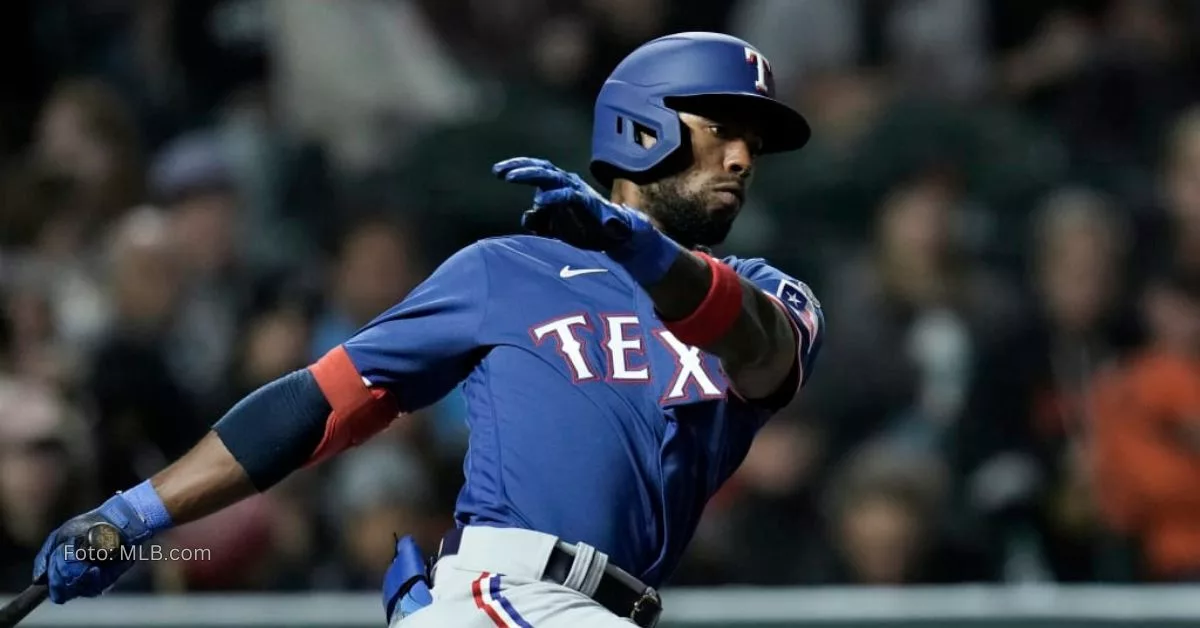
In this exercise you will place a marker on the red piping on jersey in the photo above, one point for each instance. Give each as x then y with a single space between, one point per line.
358 412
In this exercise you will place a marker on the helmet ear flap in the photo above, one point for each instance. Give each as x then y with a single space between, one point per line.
644 139
622 140
630 135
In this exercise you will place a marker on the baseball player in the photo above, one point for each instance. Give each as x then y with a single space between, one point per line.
615 372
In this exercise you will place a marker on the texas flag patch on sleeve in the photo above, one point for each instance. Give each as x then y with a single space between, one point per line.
805 310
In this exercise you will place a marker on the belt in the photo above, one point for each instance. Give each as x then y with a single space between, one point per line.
621 598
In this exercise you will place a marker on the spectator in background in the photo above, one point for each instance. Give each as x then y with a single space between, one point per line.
1021 444
933 48
86 164
1108 76
884 514
911 310
378 492
1142 79
145 416
172 61
1146 454
6 340
375 269
265 543
238 545
541 56
761 528
274 344
618 26
87 138
379 73
1041 47
1182 182
45 473
192 182
36 351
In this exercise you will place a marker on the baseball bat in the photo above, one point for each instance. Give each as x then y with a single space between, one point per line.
100 536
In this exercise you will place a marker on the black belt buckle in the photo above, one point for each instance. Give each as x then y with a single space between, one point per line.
647 609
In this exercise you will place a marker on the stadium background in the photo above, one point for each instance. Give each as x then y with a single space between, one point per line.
1000 212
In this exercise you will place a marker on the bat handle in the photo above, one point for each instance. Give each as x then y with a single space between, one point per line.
22 605
102 536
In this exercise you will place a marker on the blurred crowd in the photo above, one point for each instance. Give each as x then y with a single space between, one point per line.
1000 211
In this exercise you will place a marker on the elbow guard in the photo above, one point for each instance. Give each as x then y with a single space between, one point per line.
357 412
303 418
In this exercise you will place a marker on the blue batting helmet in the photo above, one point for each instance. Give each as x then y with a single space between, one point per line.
646 88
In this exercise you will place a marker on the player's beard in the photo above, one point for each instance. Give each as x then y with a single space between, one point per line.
682 216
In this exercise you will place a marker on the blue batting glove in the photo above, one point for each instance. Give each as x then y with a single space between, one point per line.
406 585
566 208
70 571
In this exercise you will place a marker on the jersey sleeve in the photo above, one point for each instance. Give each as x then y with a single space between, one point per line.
422 347
796 299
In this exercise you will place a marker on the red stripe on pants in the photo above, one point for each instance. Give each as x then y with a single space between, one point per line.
477 593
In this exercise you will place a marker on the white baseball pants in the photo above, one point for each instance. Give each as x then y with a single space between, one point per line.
494 581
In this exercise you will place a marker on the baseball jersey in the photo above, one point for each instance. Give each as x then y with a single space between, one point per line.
588 419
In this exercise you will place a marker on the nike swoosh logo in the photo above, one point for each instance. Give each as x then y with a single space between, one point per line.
567 272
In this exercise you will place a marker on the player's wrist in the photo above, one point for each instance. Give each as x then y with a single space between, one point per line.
647 254
149 506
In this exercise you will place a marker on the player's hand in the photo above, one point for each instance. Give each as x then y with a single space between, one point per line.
73 571
566 208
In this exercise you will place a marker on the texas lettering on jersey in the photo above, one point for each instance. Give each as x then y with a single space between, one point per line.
623 345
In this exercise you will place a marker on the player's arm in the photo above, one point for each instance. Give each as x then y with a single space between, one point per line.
764 348
296 420
262 439
405 360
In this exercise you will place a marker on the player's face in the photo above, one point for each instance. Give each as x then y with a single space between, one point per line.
698 205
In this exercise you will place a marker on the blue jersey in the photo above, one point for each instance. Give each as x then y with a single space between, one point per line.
588 420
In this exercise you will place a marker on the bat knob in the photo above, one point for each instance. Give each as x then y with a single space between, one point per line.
104 537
